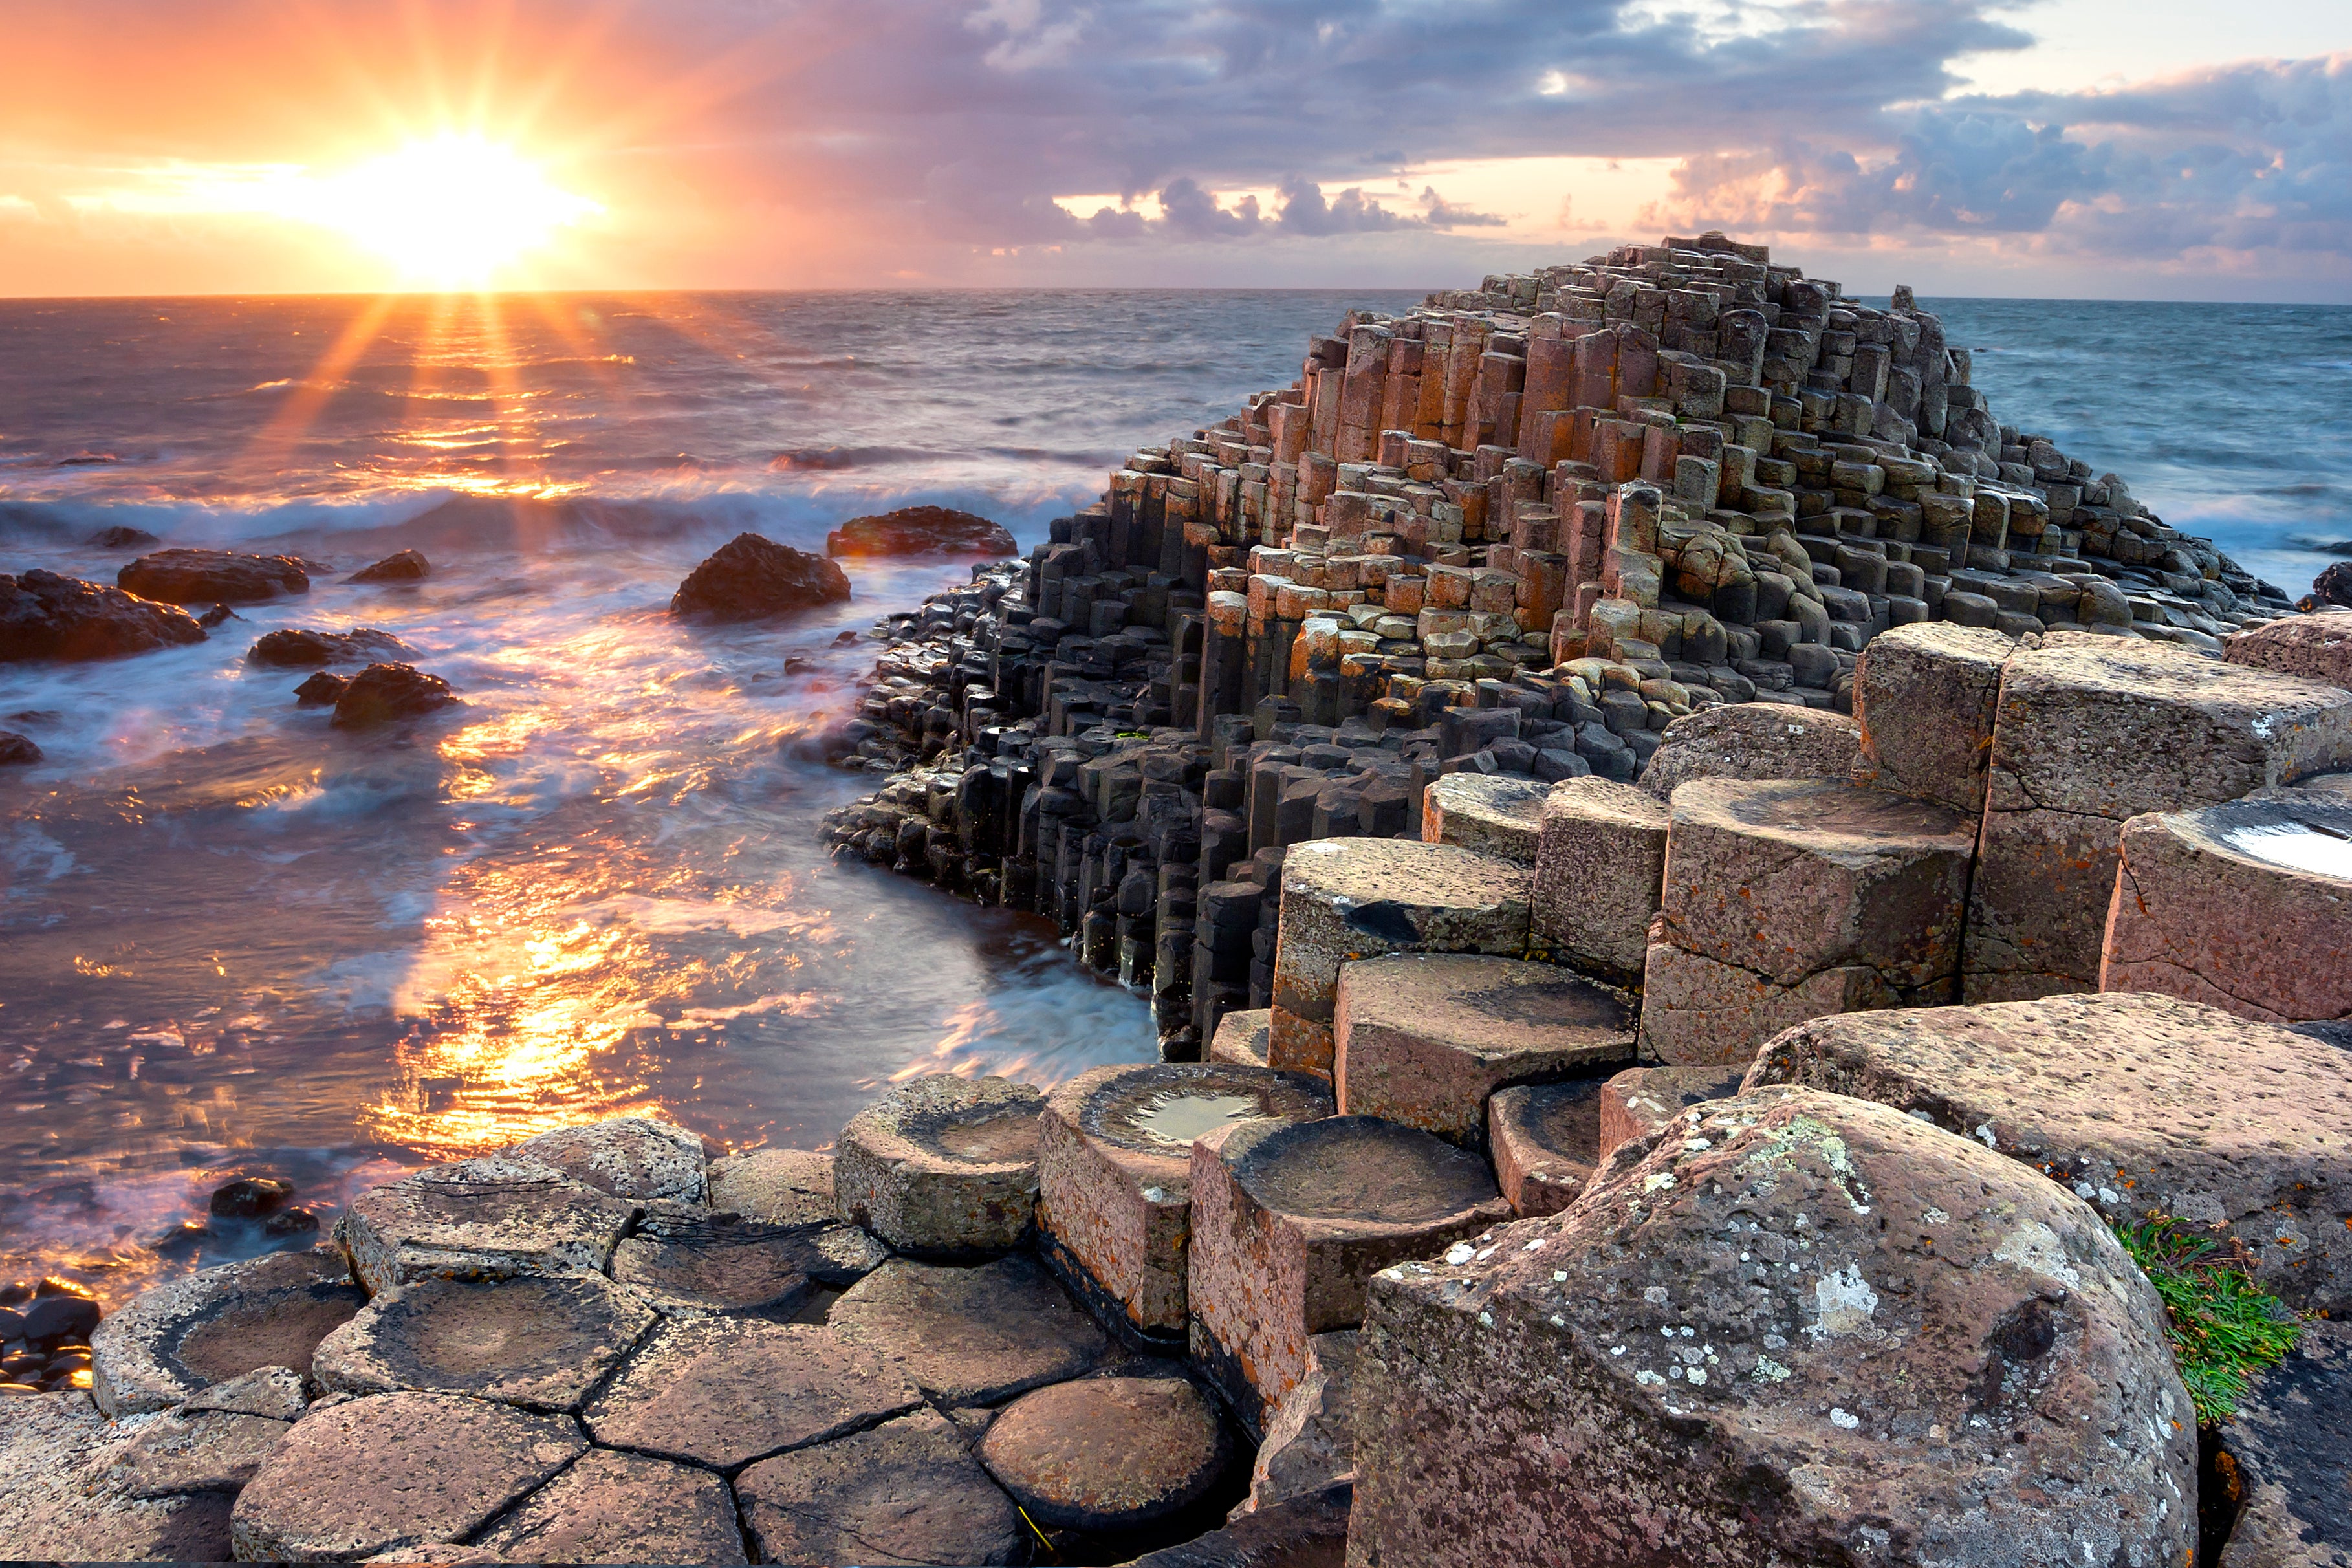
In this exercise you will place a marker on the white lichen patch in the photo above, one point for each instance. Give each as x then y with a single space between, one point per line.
2034 1247
1843 1302
1843 1420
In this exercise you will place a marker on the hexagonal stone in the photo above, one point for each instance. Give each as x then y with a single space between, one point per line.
1639 1100
180 1338
723 1391
60 1500
2136 1102
1115 1176
1752 740
543 1343
1107 1453
489 1218
1424 1037
970 1335
943 1166
622 1507
1357 898
188 1450
2246 907
907 1491
774 1187
1924 696
1600 865
1545 1141
1289 1220
627 1156
391 1470
1240 1037
690 1263
1493 814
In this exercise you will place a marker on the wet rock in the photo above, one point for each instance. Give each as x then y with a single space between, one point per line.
775 1187
907 1491
970 1335
716 1263
43 616
179 1339
751 578
1639 1101
59 1500
627 1156
393 1470
385 692
943 1166
1310 1532
59 1321
1240 1037
536 1341
196 1451
121 537
487 1218
1114 1176
251 1197
219 615
2137 1103
2331 588
921 530
1753 741
2289 1452
1924 696
17 751
1107 1453
211 576
1544 1142
401 567
1795 1327
622 1507
1424 1039
1289 1220
1492 814
322 691
1600 865
723 1391
296 649
1310 1444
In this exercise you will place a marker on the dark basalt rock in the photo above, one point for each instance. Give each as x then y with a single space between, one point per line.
921 530
57 1320
199 577
2333 586
45 615
295 649
16 750
322 691
384 692
750 579
121 538
219 615
251 1197
407 567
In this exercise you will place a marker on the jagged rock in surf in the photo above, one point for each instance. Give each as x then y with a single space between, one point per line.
406 566
921 530
46 615
295 648
212 576
751 578
383 692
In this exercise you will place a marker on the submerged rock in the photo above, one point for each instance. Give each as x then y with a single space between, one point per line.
219 615
921 530
18 750
203 577
120 537
294 649
750 579
384 692
322 691
45 615
406 566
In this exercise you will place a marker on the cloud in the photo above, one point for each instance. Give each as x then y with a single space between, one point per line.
1439 213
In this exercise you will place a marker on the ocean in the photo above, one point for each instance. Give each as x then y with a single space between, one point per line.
235 942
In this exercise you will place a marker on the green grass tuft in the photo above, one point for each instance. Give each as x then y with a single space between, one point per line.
2223 1330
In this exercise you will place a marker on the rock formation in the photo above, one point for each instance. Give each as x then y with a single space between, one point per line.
921 530
45 615
214 576
750 579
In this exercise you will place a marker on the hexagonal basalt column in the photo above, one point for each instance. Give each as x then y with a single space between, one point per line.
1925 695
1639 1100
1544 1142
1424 1037
1600 865
1290 1221
943 1166
1492 814
1788 899
543 1343
482 1219
2246 907
627 1156
178 1339
1115 1178
1240 1040
1357 898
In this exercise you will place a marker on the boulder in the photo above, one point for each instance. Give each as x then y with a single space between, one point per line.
622 1507
725 1392
489 1218
2246 907
751 578
120 537
907 1491
2332 589
401 567
1752 740
1600 864
1356 898
2137 1103
970 1335
211 576
1114 1177
393 1470
637 1157
294 649
2315 647
689 1262
1424 1037
17 751
921 531
2089 735
43 616
1924 696
383 693
1311 1444
182 1337
1108 1453
1544 1142
537 1341
2288 1454
249 1197
1639 1100
1793 1327
62 1500
1240 1037
1290 1219
322 691
943 1166
1493 814
774 1187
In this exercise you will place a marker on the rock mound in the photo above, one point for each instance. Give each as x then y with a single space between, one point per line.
46 615
407 567
750 579
212 576
16 751
294 649
384 692
118 537
921 530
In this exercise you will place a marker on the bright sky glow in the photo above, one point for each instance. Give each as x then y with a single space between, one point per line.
452 212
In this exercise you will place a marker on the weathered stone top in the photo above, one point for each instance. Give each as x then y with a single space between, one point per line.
1348 1174
1825 817
2304 833
1144 1119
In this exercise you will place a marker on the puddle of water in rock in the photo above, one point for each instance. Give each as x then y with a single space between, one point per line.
1179 1118
2301 846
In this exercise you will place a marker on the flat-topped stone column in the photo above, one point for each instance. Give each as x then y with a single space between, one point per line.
1493 814
1425 1038
1291 1220
1752 740
175 1341
1639 1101
1786 900
1600 862
943 1166
1924 696
494 1217
2246 907
1344 898
1544 1142
1114 1181
1240 1037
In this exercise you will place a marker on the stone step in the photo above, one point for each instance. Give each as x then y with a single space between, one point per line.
943 1166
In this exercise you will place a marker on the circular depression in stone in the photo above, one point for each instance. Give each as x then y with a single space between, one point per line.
2314 840
998 1138
1161 1110
1107 1453
1361 1168
1823 809
272 1328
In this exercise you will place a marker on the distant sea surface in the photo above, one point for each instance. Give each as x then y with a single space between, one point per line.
233 940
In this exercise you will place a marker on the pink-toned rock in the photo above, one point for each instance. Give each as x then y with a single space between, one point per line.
943 1166
1600 864
2315 647
1639 1100
490 1218
1544 1142
626 1157
906 1491
1107 1453
1924 696
622 1508
180 1338
1752 740
1240 1037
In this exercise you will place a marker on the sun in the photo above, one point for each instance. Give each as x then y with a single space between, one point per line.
450 212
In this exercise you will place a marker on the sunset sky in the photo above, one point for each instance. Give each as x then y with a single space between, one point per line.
2128 148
